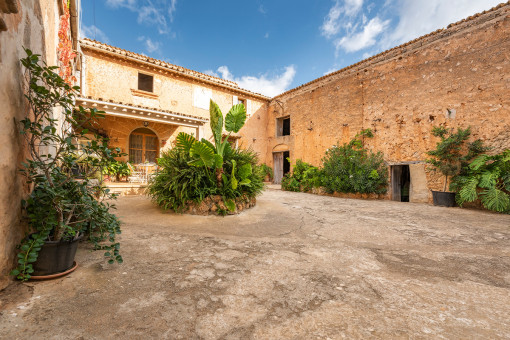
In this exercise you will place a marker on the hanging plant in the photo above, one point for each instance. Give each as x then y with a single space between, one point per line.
65 46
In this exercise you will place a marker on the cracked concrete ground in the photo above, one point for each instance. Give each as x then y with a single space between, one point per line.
297 266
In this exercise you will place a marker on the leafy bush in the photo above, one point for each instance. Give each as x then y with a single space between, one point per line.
117 169
486 178
60 207
196 169
350 168
267 171
451 156
304 177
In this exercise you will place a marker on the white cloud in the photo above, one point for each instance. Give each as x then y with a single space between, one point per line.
418 17
331 70
150 45
266 35
150 12
268 86
365 38
262 9
92 32
171 9
354 28
337 14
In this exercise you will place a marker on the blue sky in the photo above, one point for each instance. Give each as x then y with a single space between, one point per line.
267 46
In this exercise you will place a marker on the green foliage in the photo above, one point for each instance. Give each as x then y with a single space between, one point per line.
59 206
451 155
117 169
350 168
235 118
267 171
486 178
196 169
304 177
177 182
289 183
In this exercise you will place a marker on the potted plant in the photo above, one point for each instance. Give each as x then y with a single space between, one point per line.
267 171
117 171
450 157
63 205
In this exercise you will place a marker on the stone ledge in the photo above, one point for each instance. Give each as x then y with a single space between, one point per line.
214 205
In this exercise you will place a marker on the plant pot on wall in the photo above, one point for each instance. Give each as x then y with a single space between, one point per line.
443 198
56 257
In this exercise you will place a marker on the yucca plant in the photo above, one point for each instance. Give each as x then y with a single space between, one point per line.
487 178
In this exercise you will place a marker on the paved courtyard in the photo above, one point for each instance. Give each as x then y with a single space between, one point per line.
297 266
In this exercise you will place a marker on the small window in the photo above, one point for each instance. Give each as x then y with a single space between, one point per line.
145 82
283 126
241 101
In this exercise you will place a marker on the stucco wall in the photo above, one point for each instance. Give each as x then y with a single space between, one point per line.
114 78
34 27
405 92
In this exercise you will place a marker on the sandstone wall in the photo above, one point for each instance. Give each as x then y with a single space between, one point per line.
34 26
457 77
114 78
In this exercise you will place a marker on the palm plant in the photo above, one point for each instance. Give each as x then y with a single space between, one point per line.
206 154
487 178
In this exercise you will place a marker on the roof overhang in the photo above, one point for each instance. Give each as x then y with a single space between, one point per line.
141 113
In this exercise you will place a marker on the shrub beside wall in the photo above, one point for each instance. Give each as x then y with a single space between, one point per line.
347 168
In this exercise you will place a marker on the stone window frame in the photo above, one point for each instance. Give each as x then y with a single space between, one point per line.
280 127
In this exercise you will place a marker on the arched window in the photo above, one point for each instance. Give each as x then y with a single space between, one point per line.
143 146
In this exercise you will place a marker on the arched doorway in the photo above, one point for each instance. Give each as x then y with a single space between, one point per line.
143 146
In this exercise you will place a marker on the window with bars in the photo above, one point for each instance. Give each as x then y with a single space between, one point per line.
143 146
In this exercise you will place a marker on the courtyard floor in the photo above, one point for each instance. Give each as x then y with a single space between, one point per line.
297 266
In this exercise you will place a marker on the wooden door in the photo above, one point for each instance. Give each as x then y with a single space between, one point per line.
277 167
396 176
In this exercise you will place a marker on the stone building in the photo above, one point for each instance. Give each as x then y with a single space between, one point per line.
33 24
147 102
454 77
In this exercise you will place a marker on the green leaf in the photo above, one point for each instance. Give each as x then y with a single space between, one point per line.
216 121
218 161
230 204
496 200
235 118
205 154
245 182
245 171
184 141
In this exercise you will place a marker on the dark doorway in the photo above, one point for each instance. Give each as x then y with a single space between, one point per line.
400 183
286 163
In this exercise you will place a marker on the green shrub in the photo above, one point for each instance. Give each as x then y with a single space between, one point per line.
451 157
486 178
196 169
267 171
350 168
304 177
289 183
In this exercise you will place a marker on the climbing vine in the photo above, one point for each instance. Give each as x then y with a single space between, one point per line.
65 46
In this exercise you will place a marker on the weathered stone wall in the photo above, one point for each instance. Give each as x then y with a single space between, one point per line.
34 26
116 78
403 93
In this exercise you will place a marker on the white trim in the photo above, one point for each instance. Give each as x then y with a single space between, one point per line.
121 110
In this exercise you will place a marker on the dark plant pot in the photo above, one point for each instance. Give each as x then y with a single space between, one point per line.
443 198
56 257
